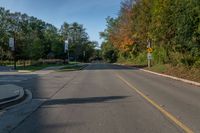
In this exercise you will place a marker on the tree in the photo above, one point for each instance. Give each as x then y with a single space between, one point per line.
80 47
36 39
172 27
109 52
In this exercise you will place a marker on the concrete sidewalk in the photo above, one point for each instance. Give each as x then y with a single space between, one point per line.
10 94
47 70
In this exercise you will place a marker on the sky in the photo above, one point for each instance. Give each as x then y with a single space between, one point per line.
90 13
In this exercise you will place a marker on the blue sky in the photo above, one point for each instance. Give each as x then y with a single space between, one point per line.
90 13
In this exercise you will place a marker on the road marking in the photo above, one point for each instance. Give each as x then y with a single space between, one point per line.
162 110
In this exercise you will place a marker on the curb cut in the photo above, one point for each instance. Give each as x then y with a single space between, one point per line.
172 77
83 67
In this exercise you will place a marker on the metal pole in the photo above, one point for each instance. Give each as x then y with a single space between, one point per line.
14 53
149 63
84 56
68 56
149 54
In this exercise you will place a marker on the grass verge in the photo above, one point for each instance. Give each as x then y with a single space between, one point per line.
177 71
33 68
36 67
189 73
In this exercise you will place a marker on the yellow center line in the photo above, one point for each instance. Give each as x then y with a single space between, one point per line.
162 110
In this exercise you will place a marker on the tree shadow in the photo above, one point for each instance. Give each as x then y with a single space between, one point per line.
86 100
107 66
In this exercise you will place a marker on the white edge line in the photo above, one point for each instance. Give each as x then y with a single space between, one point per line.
172 77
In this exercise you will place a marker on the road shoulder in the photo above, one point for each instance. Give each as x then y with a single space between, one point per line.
167 76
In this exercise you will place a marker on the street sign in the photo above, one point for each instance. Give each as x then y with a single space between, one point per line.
12 43
149 56
66 45
149 50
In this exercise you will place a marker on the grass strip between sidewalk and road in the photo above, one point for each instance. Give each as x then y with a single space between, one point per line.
33 68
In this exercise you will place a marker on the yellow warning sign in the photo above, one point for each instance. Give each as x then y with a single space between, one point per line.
149 50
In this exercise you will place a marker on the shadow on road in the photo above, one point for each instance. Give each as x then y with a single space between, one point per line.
106 66
83 100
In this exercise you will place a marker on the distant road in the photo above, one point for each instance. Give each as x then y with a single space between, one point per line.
107 98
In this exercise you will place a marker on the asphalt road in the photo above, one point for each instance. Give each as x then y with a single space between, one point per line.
107 98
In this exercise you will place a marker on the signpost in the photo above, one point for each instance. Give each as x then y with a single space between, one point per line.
66 49
149 53
12 46
66 46
149 56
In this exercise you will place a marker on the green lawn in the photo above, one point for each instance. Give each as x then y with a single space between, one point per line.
43 66
36 67
161 68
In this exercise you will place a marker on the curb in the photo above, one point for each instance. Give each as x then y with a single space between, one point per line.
7 102
13 116
27 97
172 77
167 76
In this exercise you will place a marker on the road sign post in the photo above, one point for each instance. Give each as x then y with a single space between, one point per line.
66 50
149 53
149 57
84 54
12 44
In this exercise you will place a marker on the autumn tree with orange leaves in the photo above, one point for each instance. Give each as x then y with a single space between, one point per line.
172 27
121 34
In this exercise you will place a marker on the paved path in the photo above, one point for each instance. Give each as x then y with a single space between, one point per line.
15 77
107 98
